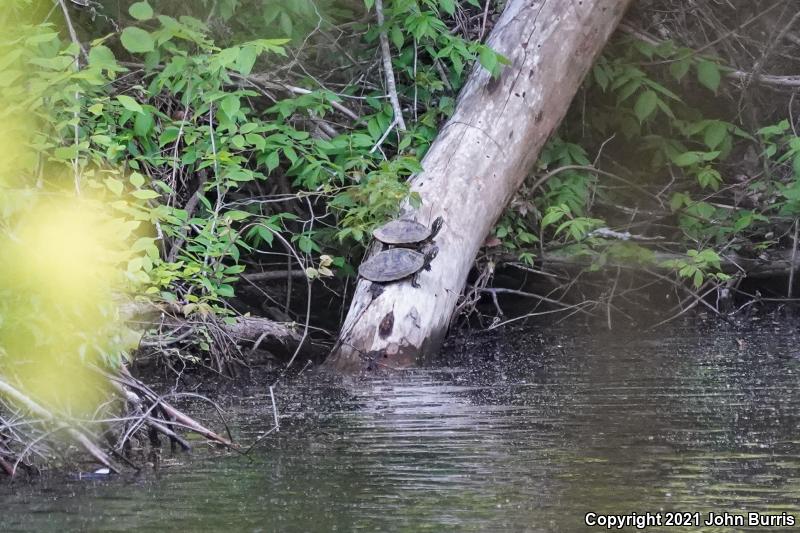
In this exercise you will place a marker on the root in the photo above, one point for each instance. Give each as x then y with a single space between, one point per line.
29 435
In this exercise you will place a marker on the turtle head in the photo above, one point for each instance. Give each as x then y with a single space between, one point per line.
436 226
430 255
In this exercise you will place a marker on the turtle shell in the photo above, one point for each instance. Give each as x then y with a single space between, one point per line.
392 265
402 232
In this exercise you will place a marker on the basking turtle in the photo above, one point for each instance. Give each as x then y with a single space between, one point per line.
395 264
407 233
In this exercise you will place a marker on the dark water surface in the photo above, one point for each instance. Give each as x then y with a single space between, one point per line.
515 432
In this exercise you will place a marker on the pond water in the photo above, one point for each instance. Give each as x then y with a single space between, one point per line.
512 432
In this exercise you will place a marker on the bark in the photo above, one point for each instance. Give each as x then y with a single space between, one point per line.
472 170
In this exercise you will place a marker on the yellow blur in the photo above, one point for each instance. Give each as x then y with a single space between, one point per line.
60 267
62 255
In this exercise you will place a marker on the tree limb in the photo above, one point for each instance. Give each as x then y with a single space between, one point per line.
391 86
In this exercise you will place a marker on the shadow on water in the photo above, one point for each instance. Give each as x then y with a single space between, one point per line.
515 432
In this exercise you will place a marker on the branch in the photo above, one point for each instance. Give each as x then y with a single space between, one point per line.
274 275
391 86
72 34
739 75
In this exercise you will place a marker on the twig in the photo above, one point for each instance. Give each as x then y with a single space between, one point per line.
540 313
763 79
523 294
385 134
77 435
541 181
793 266
388 72
77 68
483 22
275 275
72 34
274 409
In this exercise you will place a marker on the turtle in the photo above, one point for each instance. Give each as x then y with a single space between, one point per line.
396 264
407 233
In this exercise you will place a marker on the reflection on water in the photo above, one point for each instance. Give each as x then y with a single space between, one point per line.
513 433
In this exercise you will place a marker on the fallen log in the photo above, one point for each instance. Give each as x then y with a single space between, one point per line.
245 329
480 158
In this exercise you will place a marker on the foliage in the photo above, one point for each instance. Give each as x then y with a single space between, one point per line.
228 140
208 160
639 110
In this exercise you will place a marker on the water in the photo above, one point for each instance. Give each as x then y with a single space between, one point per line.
524 432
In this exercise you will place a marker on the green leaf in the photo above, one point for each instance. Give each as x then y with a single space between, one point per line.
680 68
645 105
102 57
449 6
686 159
305 244
238 215
285 22
230 105
708 177
238 141
141 11
137 41
272 161
396 34
246 59
145 194
600 77
114 185
488 59
136 179
129 103
715 133
143 124
65 153
708 75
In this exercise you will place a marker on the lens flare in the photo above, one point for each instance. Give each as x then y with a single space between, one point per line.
60 270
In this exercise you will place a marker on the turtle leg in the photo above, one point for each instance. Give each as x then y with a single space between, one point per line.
415 280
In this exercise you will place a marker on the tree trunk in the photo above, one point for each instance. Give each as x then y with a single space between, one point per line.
479 159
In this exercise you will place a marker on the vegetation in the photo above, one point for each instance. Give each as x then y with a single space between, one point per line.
179 157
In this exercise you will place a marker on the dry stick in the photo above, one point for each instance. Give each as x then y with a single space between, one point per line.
383 137
698 299
262 80
541 181
38 410
274 275
72 34
127 379
611 299
7 467
274 409
265 82
388 72
483 22
288 246
539 313
152 421
763 79
77 66
794 266
191 205
756 73
523 294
